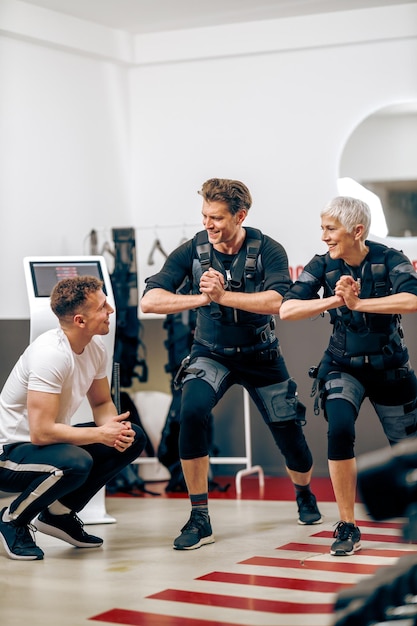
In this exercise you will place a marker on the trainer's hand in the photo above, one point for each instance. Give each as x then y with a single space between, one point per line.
118 433
126 438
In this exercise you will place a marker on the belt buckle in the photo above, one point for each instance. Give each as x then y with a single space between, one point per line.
263 335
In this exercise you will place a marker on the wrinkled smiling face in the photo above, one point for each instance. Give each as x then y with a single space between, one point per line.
340 243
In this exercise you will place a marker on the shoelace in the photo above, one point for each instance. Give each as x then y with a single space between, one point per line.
307 501
26 534
196 520
344 530
77 519
77 523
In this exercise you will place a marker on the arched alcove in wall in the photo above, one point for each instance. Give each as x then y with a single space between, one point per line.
379 164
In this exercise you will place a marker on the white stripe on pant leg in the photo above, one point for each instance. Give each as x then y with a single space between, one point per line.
54 475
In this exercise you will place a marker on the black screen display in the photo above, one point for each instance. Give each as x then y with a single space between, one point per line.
46 274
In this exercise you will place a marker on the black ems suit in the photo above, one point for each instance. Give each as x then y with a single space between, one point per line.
232 346
366 355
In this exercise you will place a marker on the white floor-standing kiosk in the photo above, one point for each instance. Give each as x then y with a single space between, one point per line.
42 274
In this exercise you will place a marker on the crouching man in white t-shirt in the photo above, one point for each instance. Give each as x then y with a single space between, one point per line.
56 467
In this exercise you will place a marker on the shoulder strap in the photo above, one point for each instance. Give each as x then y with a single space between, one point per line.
379 270
332 270
203 248
254 240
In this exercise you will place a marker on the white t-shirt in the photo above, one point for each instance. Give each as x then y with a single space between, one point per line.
48 364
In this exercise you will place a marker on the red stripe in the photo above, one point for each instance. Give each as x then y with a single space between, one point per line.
367 522
248 604
347 565
138 618
322 549
369 537
274 581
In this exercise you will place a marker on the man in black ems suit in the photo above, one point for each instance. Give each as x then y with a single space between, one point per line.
238 277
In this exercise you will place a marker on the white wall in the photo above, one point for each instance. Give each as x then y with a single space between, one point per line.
278 118
64 151
98 131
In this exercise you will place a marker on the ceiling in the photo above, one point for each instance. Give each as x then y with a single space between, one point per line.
146 16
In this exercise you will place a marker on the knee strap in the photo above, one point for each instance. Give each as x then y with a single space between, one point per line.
398 422
344 386
207 369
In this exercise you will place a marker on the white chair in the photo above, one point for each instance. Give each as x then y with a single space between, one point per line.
153 407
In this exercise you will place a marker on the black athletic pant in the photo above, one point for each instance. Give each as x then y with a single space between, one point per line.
65 472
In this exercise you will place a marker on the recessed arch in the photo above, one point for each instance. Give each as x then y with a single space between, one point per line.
379 165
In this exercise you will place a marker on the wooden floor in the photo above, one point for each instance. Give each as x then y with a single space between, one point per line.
263 570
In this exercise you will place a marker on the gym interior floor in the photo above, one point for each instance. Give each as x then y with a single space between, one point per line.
263 570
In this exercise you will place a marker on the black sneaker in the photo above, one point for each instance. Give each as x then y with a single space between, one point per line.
67 527
348 539
196 533
18 541
308 512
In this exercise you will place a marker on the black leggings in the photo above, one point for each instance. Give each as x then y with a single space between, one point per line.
341 416
65 472
199 398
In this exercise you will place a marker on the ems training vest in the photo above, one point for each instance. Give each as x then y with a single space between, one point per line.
355 333
221 327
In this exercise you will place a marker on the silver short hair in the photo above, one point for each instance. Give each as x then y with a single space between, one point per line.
349 212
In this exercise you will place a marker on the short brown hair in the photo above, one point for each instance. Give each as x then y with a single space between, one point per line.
234 193
70 294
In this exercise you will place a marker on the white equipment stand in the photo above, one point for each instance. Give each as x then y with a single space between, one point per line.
247 459
41 274
153 407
